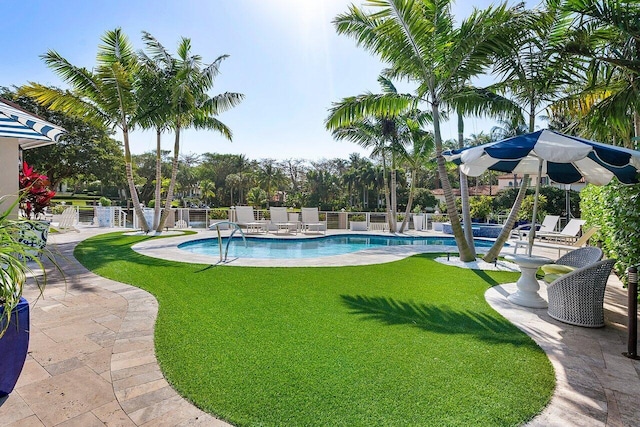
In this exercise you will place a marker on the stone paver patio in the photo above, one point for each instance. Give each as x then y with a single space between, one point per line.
91 360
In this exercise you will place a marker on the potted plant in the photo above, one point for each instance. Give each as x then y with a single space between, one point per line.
17 258
35 197
357 222
418 219
437 222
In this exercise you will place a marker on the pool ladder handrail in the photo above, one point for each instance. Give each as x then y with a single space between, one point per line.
226 250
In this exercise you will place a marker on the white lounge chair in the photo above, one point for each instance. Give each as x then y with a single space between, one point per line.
582 241
68 220
280 219
548 226
567 235
246 218
311 221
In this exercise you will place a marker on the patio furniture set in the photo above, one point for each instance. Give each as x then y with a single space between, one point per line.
576 282
281 220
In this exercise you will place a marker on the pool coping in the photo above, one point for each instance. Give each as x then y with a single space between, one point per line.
167 249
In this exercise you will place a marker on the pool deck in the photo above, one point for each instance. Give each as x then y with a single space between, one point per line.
91 360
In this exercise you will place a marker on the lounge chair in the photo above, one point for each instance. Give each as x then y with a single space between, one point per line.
548 226
280 218
567 235
582 241
246 218
311 221
68 220
577 298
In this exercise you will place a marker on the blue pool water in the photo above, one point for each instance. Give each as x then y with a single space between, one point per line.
313 248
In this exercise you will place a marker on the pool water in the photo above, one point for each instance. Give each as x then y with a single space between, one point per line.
315 247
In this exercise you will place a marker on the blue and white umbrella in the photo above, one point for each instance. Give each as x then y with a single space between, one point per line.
29 129
564 159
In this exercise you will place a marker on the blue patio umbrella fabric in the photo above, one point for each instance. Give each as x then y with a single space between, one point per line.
28 128
563 158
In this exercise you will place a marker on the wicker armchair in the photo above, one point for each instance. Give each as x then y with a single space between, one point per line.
577 298
581 257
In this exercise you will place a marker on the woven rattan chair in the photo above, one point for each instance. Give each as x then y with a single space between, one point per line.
581 257
577 298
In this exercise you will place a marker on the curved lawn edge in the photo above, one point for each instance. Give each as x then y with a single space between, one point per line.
395 349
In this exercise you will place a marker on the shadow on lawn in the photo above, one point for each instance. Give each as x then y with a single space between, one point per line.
434 318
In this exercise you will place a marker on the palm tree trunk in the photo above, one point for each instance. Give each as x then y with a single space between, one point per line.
172 183
156 206
464 194
394 198
465 252
132 186
391 221
492 255
410 201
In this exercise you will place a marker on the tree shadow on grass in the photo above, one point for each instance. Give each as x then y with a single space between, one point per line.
436 319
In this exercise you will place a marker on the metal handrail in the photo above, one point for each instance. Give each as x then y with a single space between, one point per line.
226 250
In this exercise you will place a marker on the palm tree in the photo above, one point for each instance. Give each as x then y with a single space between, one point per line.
190 105
608 103
420 153
534 72
105 95
349 119
207 191
419 41
256 197
233 181
154 93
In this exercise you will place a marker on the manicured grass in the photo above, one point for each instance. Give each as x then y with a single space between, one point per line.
407 343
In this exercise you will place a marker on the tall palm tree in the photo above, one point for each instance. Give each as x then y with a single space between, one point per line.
190 104
534 72
104 95
154 94
419 41
421 151
351 119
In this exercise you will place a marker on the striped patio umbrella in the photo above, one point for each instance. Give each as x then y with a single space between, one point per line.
563 158
30 130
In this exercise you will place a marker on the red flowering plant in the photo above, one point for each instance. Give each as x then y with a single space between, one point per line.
35 190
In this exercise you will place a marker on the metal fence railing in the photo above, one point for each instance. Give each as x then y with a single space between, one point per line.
201 218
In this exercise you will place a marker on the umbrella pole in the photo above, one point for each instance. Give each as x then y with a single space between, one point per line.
532 233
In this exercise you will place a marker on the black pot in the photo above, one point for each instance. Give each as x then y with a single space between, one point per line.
13 347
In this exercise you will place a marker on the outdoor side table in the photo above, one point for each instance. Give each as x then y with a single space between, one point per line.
528 286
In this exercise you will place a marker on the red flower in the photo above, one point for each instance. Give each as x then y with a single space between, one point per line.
35 192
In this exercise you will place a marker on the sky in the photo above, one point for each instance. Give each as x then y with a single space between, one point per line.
284 56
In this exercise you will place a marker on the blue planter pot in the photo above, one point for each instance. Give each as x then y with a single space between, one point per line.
13 347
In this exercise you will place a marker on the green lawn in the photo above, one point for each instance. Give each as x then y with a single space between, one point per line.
407 343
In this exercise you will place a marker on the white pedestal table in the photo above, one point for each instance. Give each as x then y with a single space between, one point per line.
528 286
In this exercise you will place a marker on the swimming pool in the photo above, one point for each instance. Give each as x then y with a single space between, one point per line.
315 247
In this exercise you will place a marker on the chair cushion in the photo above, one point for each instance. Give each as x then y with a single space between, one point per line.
557 269
553 271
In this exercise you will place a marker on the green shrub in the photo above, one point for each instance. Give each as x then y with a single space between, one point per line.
219 214
105 201
526 209
615 208
480 206
357 217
